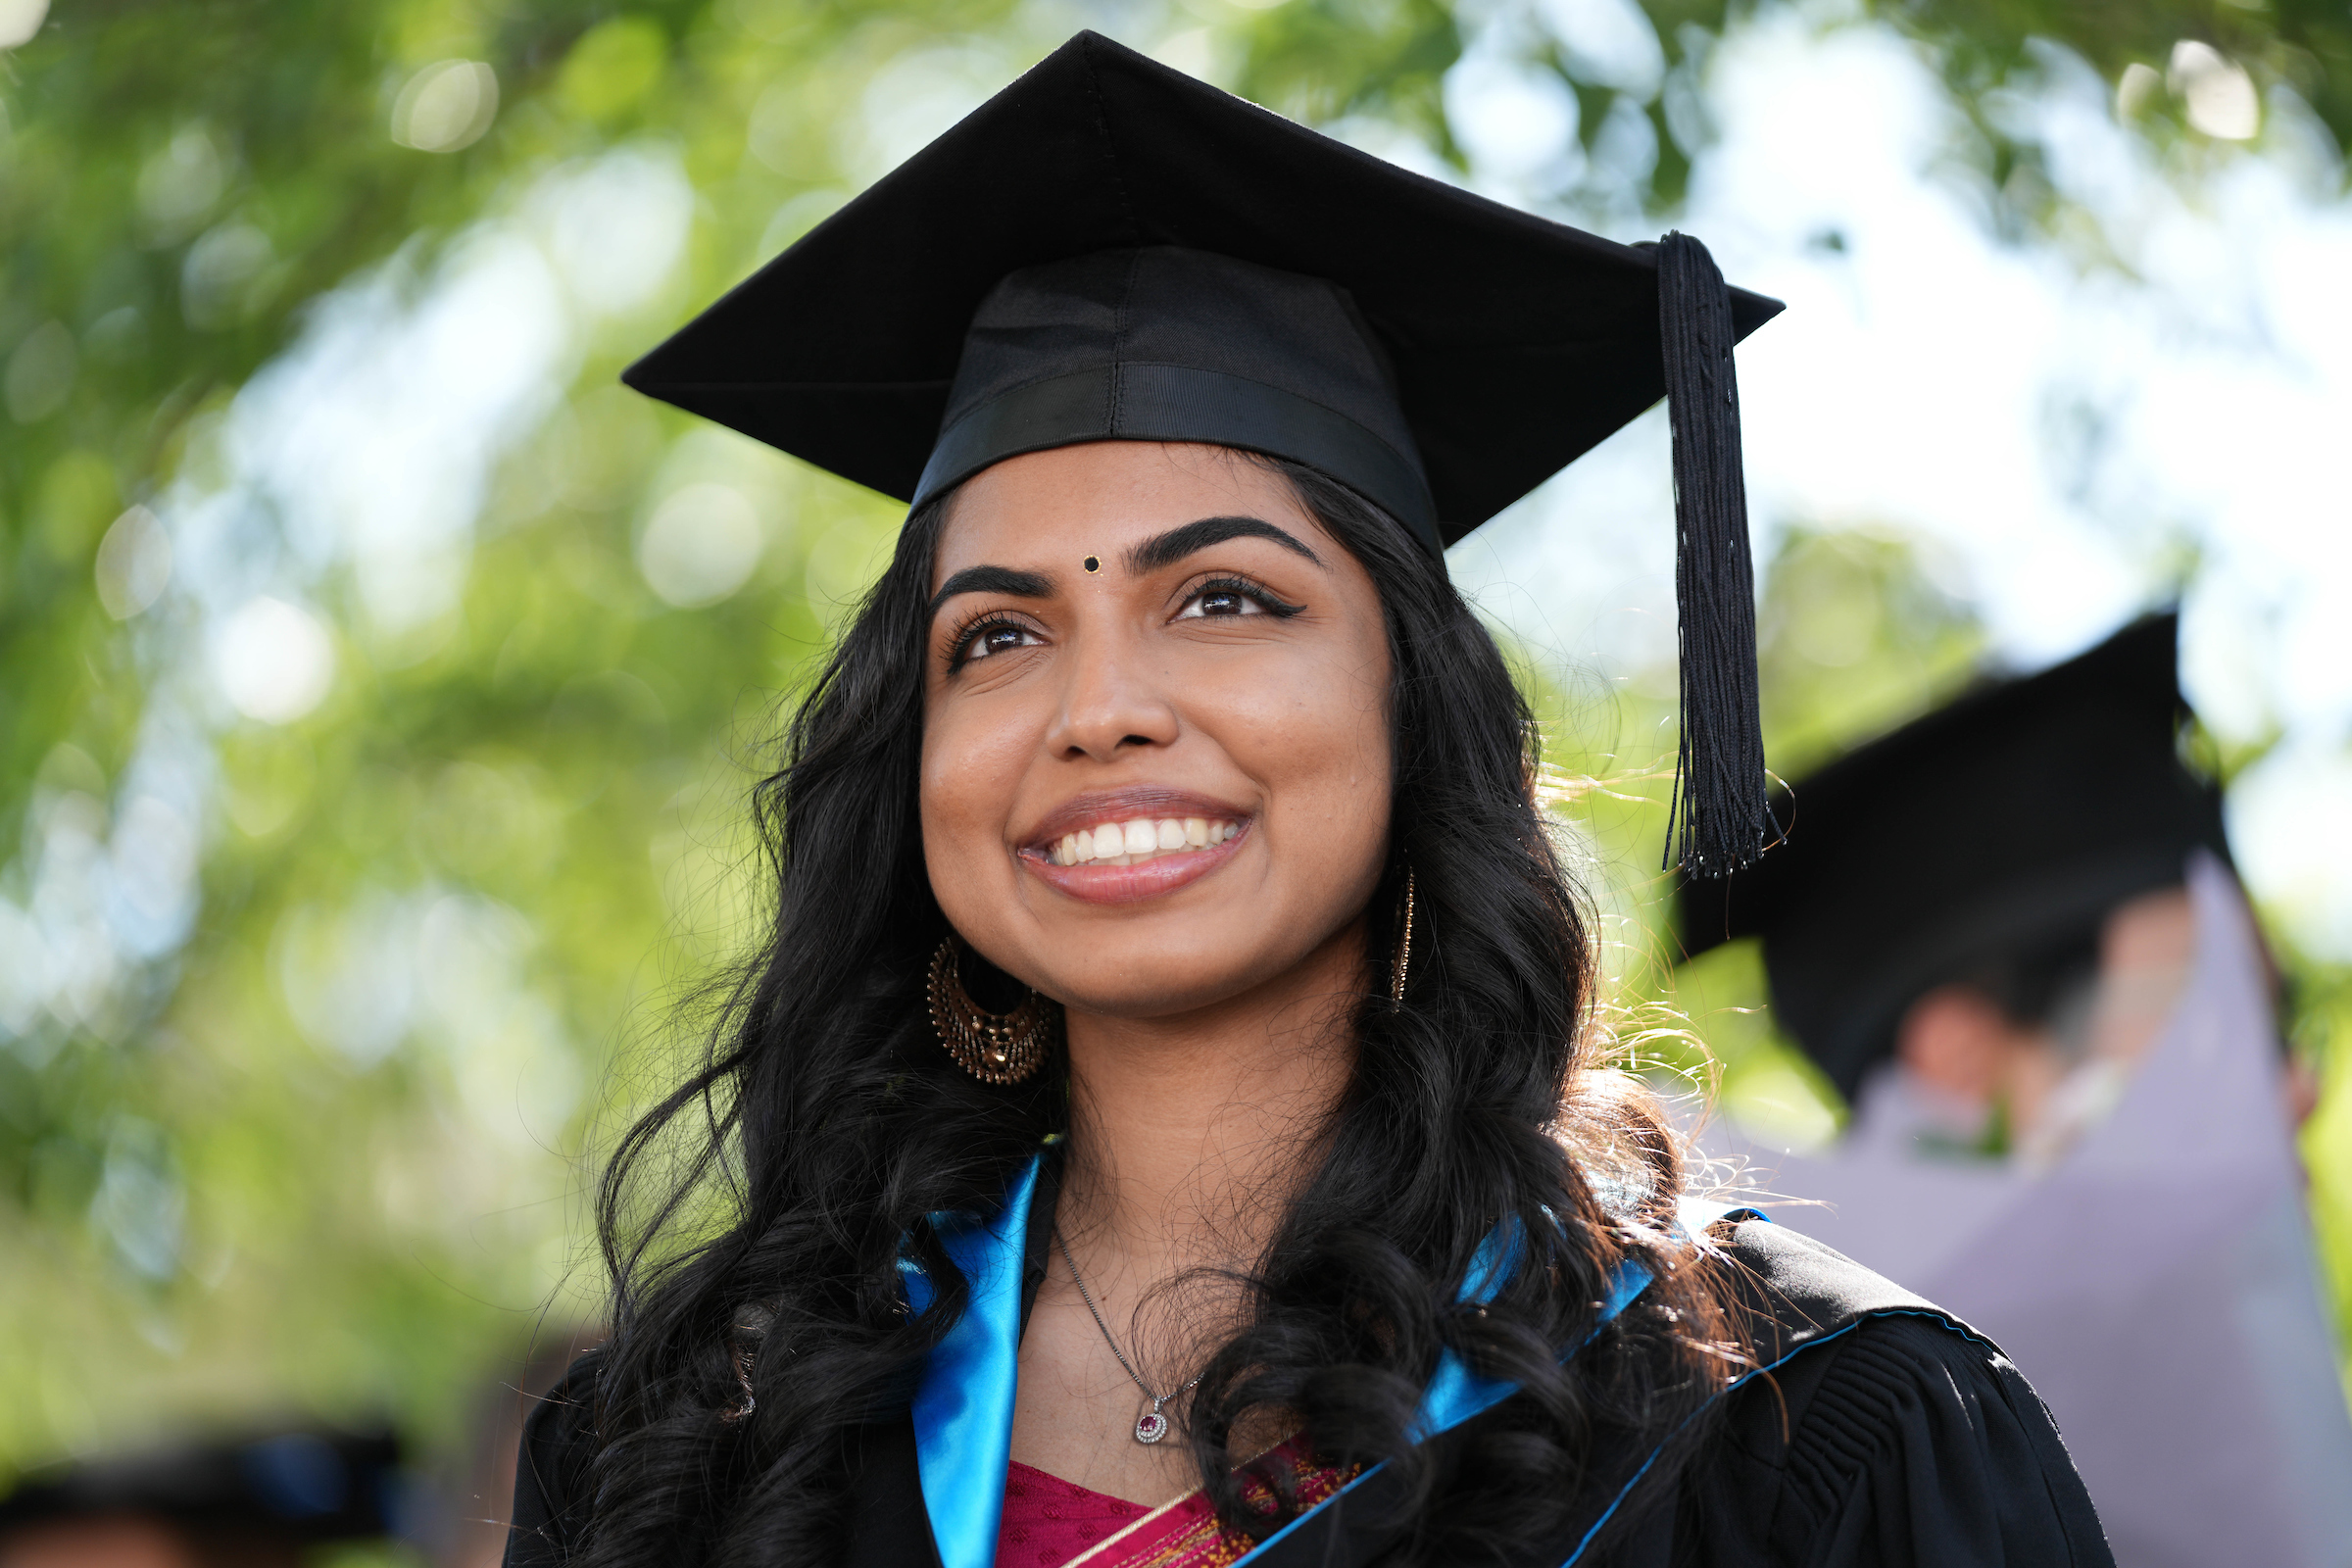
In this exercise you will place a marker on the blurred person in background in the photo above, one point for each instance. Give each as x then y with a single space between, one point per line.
2008 934
251 1503
1167 1102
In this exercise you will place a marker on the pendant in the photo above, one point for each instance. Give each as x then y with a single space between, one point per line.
1151 1426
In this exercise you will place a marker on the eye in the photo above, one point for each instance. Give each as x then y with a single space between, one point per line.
1228 596
991 637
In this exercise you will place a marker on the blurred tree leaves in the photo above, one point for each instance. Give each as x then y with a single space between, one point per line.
1320 61
312 1147
2171 61
2202 73
1857 633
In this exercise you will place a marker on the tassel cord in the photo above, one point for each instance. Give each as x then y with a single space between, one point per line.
1720 819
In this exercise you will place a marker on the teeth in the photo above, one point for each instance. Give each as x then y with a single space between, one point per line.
1144 839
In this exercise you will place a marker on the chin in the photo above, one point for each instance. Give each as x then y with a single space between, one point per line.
1148 995
1151 983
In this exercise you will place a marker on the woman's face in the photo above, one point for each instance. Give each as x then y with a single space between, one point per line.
1155 750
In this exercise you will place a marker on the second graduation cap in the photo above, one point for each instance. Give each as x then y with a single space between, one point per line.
2012 818
1111 250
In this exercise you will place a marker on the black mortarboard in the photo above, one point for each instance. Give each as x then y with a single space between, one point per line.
301 1486
1111 250
2015 816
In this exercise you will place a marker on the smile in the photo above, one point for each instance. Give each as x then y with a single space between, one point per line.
1142 838
1135 844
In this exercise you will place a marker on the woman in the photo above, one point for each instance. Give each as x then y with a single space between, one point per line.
1160 1130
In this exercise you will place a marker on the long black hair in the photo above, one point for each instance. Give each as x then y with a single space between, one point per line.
753 1221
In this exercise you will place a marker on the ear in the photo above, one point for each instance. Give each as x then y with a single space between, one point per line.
1956 1039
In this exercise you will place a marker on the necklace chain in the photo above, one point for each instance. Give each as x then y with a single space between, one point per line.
1152 1426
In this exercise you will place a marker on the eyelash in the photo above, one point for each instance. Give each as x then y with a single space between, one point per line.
987 621
959 646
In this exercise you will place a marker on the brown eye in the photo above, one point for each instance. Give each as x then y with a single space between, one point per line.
1224 602
999 637
1218 601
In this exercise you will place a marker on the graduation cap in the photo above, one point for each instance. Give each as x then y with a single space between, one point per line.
2015 817
292 1487
1111 250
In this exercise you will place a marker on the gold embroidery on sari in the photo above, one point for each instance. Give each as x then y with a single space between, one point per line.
1185 1533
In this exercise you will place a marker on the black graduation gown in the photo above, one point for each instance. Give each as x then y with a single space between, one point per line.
1884 1435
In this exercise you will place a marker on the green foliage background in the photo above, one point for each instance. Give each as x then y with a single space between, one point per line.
239 1175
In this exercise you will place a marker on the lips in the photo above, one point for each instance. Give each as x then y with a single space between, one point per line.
1120 846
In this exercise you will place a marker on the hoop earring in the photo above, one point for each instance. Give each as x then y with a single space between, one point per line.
994 1047
1404 943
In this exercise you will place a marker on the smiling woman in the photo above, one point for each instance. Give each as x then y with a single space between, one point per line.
1148 786
1175 1021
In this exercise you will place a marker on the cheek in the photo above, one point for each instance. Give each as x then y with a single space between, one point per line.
1318 736
971 773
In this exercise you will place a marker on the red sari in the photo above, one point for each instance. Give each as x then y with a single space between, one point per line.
1052 1523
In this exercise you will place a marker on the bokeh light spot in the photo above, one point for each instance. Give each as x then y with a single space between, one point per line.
274 660
179 187
20 20
446 106
134 563
700 545
2219 94
227 276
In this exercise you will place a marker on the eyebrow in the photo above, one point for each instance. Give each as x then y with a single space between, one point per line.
1161 549
1165 550
991 580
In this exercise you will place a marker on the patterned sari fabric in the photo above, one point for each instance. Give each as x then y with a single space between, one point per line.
1050 1523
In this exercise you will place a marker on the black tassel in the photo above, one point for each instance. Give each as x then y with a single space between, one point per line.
1719 817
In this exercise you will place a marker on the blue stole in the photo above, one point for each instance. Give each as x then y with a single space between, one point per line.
963 1408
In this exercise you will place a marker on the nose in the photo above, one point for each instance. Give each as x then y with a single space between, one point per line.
1110 704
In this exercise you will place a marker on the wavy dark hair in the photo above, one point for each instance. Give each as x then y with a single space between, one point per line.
752 1220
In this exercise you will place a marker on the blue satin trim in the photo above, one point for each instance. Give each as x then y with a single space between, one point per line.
964 1408
1456 1394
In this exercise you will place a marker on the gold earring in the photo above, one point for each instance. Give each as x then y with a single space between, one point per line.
1404 943
994 1047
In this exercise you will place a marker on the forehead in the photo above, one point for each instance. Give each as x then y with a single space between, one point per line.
1100 498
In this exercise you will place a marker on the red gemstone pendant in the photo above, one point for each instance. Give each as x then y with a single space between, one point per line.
1151 1427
